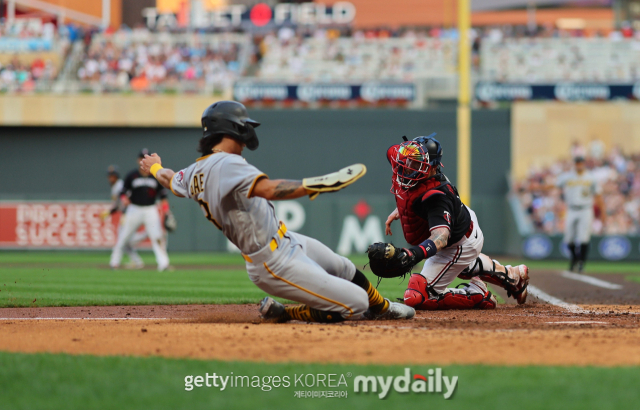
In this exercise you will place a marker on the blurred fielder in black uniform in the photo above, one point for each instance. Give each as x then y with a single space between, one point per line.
139 194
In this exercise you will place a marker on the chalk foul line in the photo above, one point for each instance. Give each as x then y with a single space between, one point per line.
590 280
555 301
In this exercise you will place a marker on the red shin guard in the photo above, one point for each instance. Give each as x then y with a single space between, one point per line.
417 296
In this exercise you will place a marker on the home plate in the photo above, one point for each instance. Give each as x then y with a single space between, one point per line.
578 322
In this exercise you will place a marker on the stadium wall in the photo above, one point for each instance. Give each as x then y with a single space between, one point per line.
69 163
104 110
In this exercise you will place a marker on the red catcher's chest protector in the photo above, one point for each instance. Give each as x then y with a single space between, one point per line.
415 228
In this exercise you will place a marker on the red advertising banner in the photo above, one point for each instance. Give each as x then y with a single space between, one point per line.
58 225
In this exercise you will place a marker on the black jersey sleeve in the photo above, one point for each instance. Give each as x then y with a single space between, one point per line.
439 211
127 185
436 208
442 208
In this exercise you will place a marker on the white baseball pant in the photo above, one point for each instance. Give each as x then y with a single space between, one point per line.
129 247
442 268
135 216
303 269
577 225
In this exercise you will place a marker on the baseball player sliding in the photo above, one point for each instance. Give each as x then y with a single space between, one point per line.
443 231
139 194
579 189
116 183
235 196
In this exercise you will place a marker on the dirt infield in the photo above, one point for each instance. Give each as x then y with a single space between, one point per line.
602 330
510 335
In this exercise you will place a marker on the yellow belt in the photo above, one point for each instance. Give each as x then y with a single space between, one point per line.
273 245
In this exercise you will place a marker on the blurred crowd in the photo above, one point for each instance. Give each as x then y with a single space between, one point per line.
26 50
365 55
137 60
128 60
617 173
19 75
503 53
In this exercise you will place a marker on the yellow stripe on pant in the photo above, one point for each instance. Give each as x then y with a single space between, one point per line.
273 245
309 291
281 231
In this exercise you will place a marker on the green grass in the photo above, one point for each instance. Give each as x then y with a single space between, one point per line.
102 258
84 279
48 381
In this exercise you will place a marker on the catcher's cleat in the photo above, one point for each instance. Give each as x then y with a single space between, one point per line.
519 291
395 311
489 301
271 309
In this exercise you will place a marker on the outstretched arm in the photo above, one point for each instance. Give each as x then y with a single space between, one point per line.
279 189
163 175
437 241
440 236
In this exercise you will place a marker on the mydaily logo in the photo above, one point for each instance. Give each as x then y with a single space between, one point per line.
432 383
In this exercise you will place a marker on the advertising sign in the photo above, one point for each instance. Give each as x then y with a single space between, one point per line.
488 91
609 248
58 225
180 13
371 92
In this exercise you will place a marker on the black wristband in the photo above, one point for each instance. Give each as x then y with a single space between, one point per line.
419 253
430 248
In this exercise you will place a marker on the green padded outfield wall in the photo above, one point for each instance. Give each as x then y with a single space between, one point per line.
48 163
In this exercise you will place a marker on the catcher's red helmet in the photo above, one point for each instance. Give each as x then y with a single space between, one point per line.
414 160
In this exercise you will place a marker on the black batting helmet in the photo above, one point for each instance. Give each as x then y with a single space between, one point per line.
230 118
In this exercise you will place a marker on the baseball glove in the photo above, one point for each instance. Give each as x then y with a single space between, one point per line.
334 181
387 261
170 223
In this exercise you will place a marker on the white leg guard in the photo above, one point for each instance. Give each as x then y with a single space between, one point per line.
514 279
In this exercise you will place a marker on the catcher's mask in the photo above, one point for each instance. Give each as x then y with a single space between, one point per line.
414 161
230 118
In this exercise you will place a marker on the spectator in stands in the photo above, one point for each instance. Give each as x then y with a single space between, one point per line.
119 62
29 68
619 176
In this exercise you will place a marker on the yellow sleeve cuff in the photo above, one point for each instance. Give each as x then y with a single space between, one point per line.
154 169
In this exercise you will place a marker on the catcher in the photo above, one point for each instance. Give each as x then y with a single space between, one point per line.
443 231
235 196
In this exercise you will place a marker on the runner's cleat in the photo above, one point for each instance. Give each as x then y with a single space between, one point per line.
271 309
394 311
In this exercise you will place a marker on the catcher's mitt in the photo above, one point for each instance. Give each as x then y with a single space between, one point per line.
387 261
170 223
